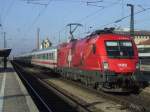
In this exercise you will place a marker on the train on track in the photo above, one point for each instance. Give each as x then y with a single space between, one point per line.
103 60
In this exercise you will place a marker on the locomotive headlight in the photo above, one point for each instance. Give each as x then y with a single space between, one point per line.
105 65
137 66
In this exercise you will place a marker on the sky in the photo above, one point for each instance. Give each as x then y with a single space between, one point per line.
21 18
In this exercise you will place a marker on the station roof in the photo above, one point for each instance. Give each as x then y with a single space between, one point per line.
5 52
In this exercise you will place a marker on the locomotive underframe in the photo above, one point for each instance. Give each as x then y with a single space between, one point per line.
107 81
126 82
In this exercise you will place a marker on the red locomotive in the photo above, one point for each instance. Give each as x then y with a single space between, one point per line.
103 60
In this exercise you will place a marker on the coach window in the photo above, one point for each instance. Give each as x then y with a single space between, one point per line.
49 55
42 56
46 56
52 56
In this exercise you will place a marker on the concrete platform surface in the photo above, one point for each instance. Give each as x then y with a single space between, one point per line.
13 95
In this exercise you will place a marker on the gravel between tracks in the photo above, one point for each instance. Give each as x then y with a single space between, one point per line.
93 101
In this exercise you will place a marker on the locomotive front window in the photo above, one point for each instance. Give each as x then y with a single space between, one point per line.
119 49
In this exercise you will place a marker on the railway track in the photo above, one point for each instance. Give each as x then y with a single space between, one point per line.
54 100
133 103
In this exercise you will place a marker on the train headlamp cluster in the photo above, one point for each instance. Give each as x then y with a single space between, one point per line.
105 66
137 66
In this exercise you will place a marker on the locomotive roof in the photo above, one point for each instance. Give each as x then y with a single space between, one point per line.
104 31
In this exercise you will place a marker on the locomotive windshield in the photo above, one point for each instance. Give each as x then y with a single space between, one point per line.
119 49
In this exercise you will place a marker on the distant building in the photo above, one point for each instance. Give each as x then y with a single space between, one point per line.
139 36
142 40
45 44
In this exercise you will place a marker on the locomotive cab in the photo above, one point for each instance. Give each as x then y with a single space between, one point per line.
120 66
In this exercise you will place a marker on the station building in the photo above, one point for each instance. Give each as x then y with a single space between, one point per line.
139 36
142 40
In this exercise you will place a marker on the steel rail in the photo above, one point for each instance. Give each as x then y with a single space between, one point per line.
47 107
79 107
131 106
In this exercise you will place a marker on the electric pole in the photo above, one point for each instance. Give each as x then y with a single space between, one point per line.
131 20
38 38
4 39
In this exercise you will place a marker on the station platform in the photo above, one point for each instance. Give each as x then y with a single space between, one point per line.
13 95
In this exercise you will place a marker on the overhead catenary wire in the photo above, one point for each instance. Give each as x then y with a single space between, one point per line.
95 12
38 16
37 2
98 11
90 15
119 20
7 11
87 16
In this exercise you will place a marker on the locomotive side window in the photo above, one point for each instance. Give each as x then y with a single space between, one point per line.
119 49
94 48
